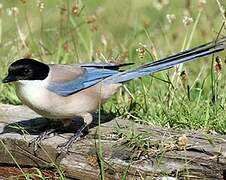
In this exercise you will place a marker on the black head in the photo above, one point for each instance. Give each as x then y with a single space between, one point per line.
26 69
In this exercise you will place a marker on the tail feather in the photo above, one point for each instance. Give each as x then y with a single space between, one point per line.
169 62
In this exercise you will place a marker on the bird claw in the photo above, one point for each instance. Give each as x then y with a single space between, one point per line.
65 147
37 140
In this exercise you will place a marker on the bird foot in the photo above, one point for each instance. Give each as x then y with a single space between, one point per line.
37 140
65 147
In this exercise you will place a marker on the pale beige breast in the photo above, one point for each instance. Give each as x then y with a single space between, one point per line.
51 105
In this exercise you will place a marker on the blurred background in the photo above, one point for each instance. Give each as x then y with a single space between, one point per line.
74 31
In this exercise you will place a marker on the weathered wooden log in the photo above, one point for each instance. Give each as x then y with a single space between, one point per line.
129 149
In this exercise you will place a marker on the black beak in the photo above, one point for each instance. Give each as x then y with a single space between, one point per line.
9 78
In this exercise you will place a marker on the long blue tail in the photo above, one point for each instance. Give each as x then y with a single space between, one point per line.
169 62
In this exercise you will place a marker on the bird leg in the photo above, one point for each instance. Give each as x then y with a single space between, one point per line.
87 117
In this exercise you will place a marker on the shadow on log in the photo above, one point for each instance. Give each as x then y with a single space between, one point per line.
129 149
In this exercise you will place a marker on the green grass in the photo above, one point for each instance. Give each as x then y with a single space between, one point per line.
112 31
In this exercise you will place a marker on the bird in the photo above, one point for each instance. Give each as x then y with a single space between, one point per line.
65 91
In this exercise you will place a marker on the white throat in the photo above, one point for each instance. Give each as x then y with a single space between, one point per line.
30 92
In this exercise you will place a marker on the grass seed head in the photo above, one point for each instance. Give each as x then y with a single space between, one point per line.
201 4
218 64
75 10
93 27
91 19
184 77
183 140
66 47
141 50
146 23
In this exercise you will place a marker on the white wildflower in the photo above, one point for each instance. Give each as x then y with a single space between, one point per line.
159 4
187 20
13 11
170 17
40 4
202 2
142 45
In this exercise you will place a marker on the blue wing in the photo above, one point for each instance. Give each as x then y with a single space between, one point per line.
94 73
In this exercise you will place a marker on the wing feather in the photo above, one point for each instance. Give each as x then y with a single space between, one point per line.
69 79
